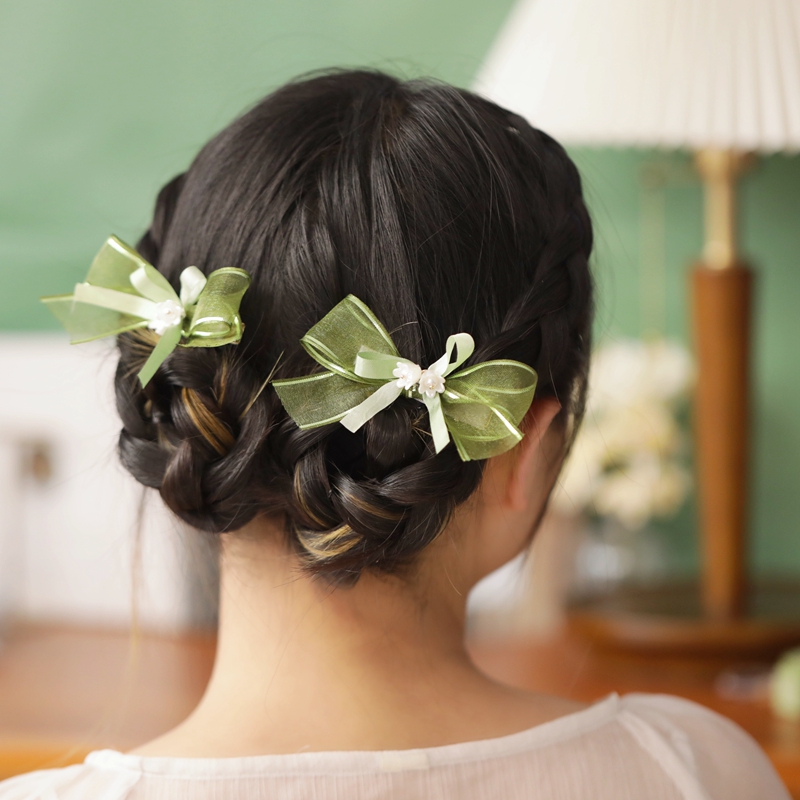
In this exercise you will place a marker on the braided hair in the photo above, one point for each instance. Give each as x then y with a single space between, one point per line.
442 212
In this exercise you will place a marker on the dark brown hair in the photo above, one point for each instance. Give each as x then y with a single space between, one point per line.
443 213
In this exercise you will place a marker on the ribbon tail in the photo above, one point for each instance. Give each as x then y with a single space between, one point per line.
377 401
439 431
122 302
166 344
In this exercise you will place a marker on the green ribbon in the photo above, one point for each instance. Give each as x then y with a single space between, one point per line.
479 407
122 292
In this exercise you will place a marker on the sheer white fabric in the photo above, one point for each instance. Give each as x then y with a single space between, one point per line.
637 747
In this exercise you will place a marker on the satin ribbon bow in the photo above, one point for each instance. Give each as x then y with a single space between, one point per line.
123 291
479 407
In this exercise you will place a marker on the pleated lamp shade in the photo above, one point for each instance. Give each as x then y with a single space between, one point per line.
720 77
670 73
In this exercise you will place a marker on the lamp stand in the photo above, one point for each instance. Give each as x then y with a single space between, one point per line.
722 291
724 614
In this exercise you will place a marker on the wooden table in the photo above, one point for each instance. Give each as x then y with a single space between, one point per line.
66 691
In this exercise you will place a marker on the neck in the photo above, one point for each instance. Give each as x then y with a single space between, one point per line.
381 665
302 652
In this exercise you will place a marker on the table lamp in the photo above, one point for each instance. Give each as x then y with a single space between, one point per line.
720 78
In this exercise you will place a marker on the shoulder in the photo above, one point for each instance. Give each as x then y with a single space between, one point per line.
79 782
693 742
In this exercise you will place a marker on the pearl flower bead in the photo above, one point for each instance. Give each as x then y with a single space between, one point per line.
431 383
168 313
407 374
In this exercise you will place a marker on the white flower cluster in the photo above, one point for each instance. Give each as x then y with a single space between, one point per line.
168 313
627 461
427 381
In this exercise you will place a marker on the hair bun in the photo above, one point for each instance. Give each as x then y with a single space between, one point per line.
412 196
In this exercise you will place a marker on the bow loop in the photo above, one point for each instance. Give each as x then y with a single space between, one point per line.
123 292
478 407
465 347
192 284
338 338
150 283
216 317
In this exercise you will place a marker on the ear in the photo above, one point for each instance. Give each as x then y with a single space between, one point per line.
530 451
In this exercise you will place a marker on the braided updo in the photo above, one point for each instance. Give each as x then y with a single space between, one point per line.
443 213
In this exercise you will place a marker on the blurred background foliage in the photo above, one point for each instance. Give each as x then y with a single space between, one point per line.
102 102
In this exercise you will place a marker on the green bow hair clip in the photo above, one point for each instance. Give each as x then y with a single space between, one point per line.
479 407
123 291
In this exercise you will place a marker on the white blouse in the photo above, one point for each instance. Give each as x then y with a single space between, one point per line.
636 747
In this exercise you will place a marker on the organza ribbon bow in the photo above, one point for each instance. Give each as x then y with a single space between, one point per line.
123 291
479 407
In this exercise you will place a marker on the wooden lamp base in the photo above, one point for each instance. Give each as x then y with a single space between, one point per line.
671 619
722 613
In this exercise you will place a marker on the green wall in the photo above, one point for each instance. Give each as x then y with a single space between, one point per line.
102 102
770 233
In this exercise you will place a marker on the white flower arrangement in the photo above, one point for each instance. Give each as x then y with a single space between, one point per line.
168 313
428 381
628 460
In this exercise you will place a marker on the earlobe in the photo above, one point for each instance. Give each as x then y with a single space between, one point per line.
529 452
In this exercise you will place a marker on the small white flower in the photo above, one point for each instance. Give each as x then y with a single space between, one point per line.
430 383
168 313
407 374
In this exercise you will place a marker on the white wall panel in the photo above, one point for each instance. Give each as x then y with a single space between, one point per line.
67 541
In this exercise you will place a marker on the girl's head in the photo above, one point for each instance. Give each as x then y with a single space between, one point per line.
443 213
